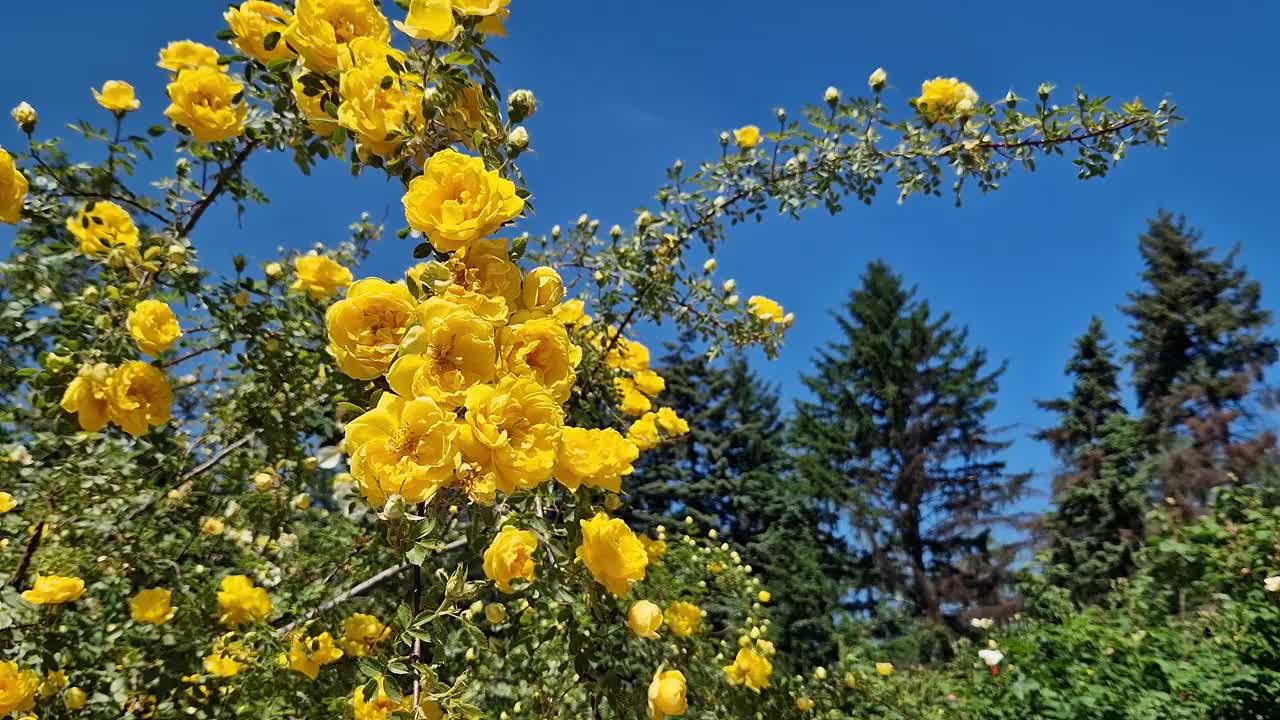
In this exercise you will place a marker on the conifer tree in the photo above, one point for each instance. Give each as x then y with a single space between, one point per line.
1095 395
898 436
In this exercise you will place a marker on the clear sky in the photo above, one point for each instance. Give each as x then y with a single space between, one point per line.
627 87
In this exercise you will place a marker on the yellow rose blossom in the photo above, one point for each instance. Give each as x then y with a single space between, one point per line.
765 309
361 634
374 51
495 24
208 103
456 201
365 328
625 354
152 607
241 602
430 20
138 397
404 446
764 596
612 553
946 99
643 433
312 109
153 327
543 289
87 396
308 654
572 313
102 226
227 658
766 647
382 707
252 21
471 112
495 613
53 682
17 688
320 276
884 669
485 267
321 29
380 118
212 526
667 695
684 619
630 400
655 549
598 458
747 136
541 349
804 704
450 351
644 618
750 670
54 590
187 54
510 557
671 423
7 502
649 382
117 96
13 189
512 432
75 699
25 116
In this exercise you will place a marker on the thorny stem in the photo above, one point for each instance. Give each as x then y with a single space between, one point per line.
416 599
219 186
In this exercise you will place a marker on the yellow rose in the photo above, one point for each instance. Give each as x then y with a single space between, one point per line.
87 396
671 423
630 400
319 276
117 96
53 682
946 99
511 433
241 602
543 289
749 669
152 607
485 267
456 201
765 309
655 549
764 596
212 526
17 688
684 618
644 618
649 382
598 458
308 654
747 136
227 658
510 557
429 20
153 326
102 226
373 51
495 24
7 502
54 590
572 313
625 354
402 447
495 613
187 54
311 107
75 699
208 103
252 22
541 349
138 396
643 433
13 189
382 707
380 118
362 633
612 553
884 669
365 328
25 116
321 29
450 351
667 695
804 704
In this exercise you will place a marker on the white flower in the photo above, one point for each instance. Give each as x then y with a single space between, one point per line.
832 95
982 623
709 266
518 138
992 658
731 301
729 285
1272 584
20 455
878 79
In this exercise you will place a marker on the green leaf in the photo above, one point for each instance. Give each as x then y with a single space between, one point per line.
459 58
270 40
422 250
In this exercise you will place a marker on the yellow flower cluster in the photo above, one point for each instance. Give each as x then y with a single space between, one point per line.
227 657
136 396
241 602
749 669
381 115
652 427
946 99
13 189
308 654
321 30
437 19
104 227
645 618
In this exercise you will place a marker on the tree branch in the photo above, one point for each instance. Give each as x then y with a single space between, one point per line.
25 564
196 472
218 187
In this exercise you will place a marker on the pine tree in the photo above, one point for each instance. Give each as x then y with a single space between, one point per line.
1100 492
897 436
1198 344
732 472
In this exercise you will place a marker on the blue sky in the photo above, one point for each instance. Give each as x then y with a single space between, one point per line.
627 87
